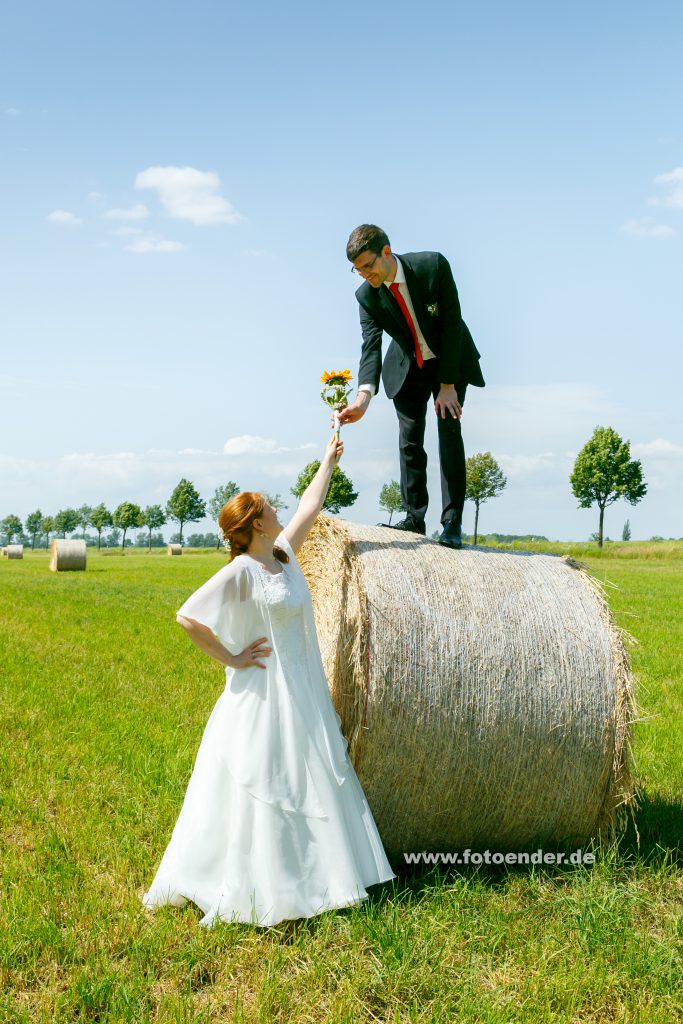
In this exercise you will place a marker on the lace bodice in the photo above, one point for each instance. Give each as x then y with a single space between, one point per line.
286 608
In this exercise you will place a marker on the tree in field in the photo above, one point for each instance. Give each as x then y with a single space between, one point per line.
156 540
85 520
34 526
153 517
66 521
221 496
125 517
201 540
604 471
485 479
47 527
101 518
340 493
11 527
626 532
390 499
185 505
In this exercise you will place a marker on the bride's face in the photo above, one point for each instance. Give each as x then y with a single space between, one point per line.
268 522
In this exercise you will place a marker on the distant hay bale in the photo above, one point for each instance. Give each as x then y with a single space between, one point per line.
14 551
174 549
486 695
67 555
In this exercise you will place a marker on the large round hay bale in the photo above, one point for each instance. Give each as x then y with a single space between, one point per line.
15 550
67 555
174 549
486 695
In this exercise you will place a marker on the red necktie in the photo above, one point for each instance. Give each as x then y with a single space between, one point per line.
406 312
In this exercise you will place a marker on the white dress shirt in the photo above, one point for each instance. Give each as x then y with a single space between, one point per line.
400 280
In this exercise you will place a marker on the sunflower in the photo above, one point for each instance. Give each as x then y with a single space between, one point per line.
336 377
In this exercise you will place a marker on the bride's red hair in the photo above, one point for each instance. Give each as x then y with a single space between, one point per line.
236 521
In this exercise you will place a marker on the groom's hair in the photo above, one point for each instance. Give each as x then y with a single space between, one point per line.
365 238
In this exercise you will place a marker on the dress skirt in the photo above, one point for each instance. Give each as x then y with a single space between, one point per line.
240 858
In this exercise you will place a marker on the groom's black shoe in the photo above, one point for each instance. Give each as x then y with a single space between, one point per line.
410 524
452 534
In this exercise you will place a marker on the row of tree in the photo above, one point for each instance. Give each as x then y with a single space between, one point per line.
603 472
185 505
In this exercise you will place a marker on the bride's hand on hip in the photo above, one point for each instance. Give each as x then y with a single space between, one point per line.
247 658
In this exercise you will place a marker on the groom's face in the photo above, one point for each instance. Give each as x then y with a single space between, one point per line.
376 268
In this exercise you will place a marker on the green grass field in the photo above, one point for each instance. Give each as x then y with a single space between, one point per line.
104 701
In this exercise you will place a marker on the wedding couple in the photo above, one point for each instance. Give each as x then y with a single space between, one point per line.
274 824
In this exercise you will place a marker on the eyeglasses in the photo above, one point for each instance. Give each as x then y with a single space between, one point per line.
368 266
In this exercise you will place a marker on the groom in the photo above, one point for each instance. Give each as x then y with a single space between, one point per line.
414 299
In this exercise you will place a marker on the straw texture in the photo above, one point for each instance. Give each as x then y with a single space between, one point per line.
67 555
174 549
486 695
14 550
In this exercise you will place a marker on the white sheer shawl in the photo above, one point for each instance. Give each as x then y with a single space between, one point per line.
269 724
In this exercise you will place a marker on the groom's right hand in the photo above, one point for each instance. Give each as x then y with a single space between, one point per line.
356 410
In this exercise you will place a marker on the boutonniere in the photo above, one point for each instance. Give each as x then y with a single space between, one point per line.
433 309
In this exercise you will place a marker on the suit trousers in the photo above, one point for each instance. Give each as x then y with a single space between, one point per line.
411 407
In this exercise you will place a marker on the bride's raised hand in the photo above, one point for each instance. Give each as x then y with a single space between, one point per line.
247 658
334 450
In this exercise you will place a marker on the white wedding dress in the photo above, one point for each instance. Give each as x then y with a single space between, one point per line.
274 823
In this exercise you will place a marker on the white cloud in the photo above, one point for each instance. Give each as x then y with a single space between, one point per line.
63 217
662 463
137 212
676 176
645 228
369 469
92 457
189 194
533 430
144 477
674 179
531 406
11 111
154 243
658 449
93 196
524 466
250 444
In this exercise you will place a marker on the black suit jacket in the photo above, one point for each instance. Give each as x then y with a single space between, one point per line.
430 283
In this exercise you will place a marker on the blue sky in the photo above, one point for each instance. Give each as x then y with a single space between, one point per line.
177 184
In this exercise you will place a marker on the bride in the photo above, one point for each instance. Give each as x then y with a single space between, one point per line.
274 824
